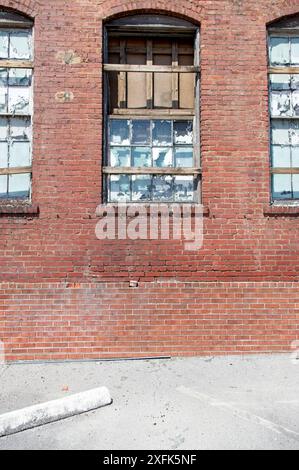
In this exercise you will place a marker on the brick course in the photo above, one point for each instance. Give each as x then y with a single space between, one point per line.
247 271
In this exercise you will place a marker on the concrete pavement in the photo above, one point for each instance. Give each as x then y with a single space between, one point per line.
249 402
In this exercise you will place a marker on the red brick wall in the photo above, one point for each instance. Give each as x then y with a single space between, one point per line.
241 242
55 321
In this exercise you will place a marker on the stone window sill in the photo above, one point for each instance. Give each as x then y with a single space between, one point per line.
281 211
18 208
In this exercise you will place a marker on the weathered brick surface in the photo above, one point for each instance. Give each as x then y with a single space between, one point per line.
58 244
75 321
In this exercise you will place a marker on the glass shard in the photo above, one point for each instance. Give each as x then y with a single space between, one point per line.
141 188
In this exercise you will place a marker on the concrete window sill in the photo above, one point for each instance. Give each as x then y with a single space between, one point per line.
18 208
281 211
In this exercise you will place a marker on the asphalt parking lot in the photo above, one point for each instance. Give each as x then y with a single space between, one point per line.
248 402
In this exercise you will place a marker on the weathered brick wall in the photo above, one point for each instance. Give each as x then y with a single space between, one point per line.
242 242
55 321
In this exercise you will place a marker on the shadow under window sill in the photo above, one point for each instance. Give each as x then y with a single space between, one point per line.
18 208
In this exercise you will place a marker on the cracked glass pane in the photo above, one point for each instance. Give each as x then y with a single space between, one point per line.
3 45
19 185
120 188
120 132
162 133
295 103
162 188
20 128
19 100
162 157
281 132
281 156
3 154
3 128
279 51
120 156
281 103
183 132
20 45
19 154
184 157
142 156
295 82
3 186
294 51
19 77
282 186
183 188
141 132
141 188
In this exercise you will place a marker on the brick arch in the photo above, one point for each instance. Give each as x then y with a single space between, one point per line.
188 11
287 8
25 7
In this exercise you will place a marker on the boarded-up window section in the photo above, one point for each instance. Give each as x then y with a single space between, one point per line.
136 82
152 136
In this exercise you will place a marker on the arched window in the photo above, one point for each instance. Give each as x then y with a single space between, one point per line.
16 69
284 108
151 65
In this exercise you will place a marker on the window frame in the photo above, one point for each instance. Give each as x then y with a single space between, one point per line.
280 29
143 25
14 21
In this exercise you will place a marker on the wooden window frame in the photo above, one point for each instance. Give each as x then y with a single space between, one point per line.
149 113
13 21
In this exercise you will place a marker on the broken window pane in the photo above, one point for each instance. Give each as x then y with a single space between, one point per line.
280 81
3 154
120 156
162 188
19 154
294 132
3 45
141 132
295 103
19 185
184 157
162 157
183 188
281 103
281 156
141 188
20 45
162 133
141 156
119 132
279 51
280 132
295 82
295 186
3 186
120 188
19 77
282 186
19 100
3 128
295 51
20 128
183 132
3 77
